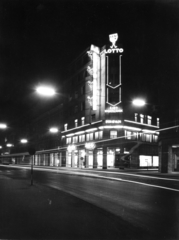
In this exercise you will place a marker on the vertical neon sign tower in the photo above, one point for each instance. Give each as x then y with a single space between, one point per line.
111 77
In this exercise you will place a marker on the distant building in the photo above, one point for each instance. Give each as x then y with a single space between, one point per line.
101 128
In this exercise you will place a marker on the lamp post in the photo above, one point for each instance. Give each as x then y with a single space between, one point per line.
139 102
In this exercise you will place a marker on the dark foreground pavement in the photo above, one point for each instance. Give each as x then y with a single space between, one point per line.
40 212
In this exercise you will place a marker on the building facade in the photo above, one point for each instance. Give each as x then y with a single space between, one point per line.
102 129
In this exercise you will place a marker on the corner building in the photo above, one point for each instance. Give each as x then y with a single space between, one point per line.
101 128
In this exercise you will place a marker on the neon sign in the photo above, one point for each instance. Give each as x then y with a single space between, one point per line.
113 48
113 121
90 146
113 109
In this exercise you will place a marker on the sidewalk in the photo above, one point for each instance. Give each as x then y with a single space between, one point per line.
39 212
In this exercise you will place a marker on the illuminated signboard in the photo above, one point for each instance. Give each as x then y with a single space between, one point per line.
113 121
90 146
113 48
71 148
113 110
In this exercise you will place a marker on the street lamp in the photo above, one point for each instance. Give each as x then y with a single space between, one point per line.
24 140
53 130
3 126
45 91
138 102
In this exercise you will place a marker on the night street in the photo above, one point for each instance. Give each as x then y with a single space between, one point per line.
140 206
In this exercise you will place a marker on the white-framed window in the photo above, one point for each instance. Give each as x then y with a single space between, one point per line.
158 122
96 135
68 140
81 138
135 117
131 135
83 121
89 136
113 134
75 139
76 122
155 138
148 137
100 134
149 120
141 118
65 127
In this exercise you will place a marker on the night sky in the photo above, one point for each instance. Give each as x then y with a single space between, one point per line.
39 39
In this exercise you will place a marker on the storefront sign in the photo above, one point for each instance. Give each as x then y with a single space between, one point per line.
71 148
113 121
113 109
90 146
113 48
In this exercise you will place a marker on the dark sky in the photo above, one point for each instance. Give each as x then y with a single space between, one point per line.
39 38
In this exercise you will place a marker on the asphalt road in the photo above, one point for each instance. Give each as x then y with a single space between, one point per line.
148 202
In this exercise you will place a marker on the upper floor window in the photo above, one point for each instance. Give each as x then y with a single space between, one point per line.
99 135
89 136
136 117
113 134
149 120
65 127
75 139
83 121
82 138
155 138
158 122
76 122
68 140
141 118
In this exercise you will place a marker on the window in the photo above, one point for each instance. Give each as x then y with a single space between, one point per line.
158 122
89 136
83 106
128 134
65 126
141 118
76 109
82 138
113 134
149 120
75 139
148 137
83 121
99 135
155 138
76 122
83 90
135 117
93 117
68 140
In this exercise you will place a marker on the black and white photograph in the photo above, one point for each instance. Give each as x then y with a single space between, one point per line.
89 119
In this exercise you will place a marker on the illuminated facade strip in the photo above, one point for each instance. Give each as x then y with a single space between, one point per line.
75 128
113 87
141 123
113 105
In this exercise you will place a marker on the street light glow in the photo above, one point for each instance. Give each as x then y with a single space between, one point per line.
24 140
53 130
9 145
3 126
45 91
138 102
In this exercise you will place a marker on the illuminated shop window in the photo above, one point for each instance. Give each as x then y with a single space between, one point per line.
82 138
148 137
68 140
76 109
149 120
76 122
131 135
143 137
141 118
135 117
155 161
145 161
89 136
65 127
155 138
75 139
83 121
158 122
99 135
113 134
